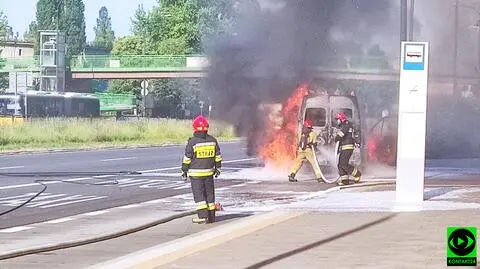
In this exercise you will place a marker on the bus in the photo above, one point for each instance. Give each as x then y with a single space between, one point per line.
48 104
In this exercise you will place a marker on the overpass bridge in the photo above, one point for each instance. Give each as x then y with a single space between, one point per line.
194 66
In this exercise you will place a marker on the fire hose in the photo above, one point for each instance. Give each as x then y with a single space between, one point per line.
330 180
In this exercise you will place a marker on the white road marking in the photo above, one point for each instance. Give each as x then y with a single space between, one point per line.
96 213
11 167
104 176
91 198
118 159
128 206
55 221
47 200
16 229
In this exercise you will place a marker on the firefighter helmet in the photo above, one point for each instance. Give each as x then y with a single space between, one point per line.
200 124
341 116
308 123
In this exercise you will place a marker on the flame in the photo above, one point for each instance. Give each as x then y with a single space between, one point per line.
281 143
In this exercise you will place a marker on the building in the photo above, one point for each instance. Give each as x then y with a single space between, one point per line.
16 49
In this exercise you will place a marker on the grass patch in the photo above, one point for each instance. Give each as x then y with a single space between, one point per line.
69 133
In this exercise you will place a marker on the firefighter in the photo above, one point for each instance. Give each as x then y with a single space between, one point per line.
201 162
306 152
345 149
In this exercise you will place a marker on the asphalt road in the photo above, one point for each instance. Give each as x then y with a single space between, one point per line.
65 199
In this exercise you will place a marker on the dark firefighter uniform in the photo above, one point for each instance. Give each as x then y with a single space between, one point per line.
345 149
202 161
305 152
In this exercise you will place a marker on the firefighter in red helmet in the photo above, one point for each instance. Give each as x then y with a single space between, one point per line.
345 149
306 152
201 162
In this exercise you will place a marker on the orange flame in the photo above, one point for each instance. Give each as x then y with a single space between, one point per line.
281 144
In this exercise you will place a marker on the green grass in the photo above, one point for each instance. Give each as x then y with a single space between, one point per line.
41 134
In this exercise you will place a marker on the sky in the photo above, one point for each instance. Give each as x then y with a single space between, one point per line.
120 11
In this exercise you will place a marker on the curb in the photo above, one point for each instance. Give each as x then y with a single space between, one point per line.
176 249
52 247
362 185
87 149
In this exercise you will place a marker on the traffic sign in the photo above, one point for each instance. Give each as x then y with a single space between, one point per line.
144 91
144 84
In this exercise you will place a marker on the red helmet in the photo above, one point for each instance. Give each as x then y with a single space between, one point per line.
308 123
200 124
341 116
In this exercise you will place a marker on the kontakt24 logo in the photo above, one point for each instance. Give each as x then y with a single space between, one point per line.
461 246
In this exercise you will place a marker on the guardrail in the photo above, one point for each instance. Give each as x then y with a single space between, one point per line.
173 63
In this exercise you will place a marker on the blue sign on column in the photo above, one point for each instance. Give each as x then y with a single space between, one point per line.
414 57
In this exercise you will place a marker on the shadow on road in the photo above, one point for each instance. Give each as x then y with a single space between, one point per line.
220 218
437 192
319 243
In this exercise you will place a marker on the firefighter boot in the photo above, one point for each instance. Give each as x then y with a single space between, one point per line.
356 175
291 177
343 181
211 216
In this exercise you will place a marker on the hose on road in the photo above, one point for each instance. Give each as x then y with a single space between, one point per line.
44 182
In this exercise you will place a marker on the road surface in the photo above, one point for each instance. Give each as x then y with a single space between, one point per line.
62 199
161 178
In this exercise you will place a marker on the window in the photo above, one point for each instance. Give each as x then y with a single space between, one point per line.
317 115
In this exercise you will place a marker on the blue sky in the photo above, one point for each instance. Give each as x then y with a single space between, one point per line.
21 12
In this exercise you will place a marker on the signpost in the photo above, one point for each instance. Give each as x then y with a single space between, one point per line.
412 125
144 85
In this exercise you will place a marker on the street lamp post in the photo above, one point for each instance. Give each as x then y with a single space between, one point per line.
476 26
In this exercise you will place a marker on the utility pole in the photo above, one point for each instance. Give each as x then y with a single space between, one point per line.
411 20
455 48
403 20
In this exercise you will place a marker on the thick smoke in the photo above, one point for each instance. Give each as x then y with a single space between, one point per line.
269 52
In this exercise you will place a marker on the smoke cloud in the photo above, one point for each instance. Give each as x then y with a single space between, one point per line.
268 54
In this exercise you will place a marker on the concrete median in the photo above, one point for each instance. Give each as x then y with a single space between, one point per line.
168 252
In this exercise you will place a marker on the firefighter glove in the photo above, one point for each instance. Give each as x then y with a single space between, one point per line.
217 172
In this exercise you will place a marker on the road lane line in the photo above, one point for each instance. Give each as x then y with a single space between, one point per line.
96 213
75 201
128 206
107 175
11 167
55 221
118 159
16 229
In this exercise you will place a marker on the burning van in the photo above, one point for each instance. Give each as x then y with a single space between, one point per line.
322 109
276 142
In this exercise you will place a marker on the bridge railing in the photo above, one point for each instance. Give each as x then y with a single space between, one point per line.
152 63
97 63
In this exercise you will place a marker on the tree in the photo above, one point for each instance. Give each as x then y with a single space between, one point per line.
5 30
31 34
104 35
74 26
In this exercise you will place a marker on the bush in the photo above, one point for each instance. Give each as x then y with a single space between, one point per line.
86 133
